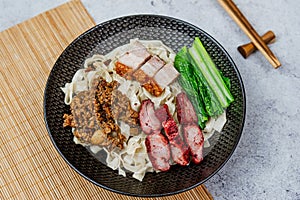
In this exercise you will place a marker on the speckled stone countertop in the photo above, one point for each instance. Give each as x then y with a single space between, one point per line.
266 163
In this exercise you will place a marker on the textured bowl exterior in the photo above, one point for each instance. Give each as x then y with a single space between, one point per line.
102 39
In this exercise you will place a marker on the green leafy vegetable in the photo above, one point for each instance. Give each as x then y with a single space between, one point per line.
209 70
226 80
206 86
212 105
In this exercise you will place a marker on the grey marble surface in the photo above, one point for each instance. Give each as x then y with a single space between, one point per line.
266 163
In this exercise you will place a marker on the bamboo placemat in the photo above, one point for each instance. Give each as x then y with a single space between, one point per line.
30 166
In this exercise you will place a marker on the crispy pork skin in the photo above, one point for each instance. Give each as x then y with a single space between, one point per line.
158 151
152 87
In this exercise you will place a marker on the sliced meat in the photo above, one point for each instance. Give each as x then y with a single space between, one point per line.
185 110
171 128
179 150
140 50
148 121
152 66
131 60
148 70
195 140
136 57
158 151
163 113
140 76
166 75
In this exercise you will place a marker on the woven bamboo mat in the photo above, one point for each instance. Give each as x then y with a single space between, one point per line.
30 167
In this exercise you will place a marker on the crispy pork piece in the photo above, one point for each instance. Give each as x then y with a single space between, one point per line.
148 121
158 151
166 75
152 66
185 110
136 57
194 138
140 76
148 70
140 50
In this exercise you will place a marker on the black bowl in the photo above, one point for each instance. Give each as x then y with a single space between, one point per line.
102 39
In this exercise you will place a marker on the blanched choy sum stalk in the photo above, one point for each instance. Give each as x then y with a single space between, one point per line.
204 64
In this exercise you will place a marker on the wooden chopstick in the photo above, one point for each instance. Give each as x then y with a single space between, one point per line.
243 23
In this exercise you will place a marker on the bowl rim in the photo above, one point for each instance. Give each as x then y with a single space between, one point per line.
70 45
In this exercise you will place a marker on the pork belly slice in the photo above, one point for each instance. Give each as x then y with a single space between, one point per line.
194 138
140 76
138 49
166 75
136 57
152 66
148 121
158 151
185 110
148 70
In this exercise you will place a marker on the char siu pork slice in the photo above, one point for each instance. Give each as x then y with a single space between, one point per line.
179 150
148 121
158 151
162 113
194 138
